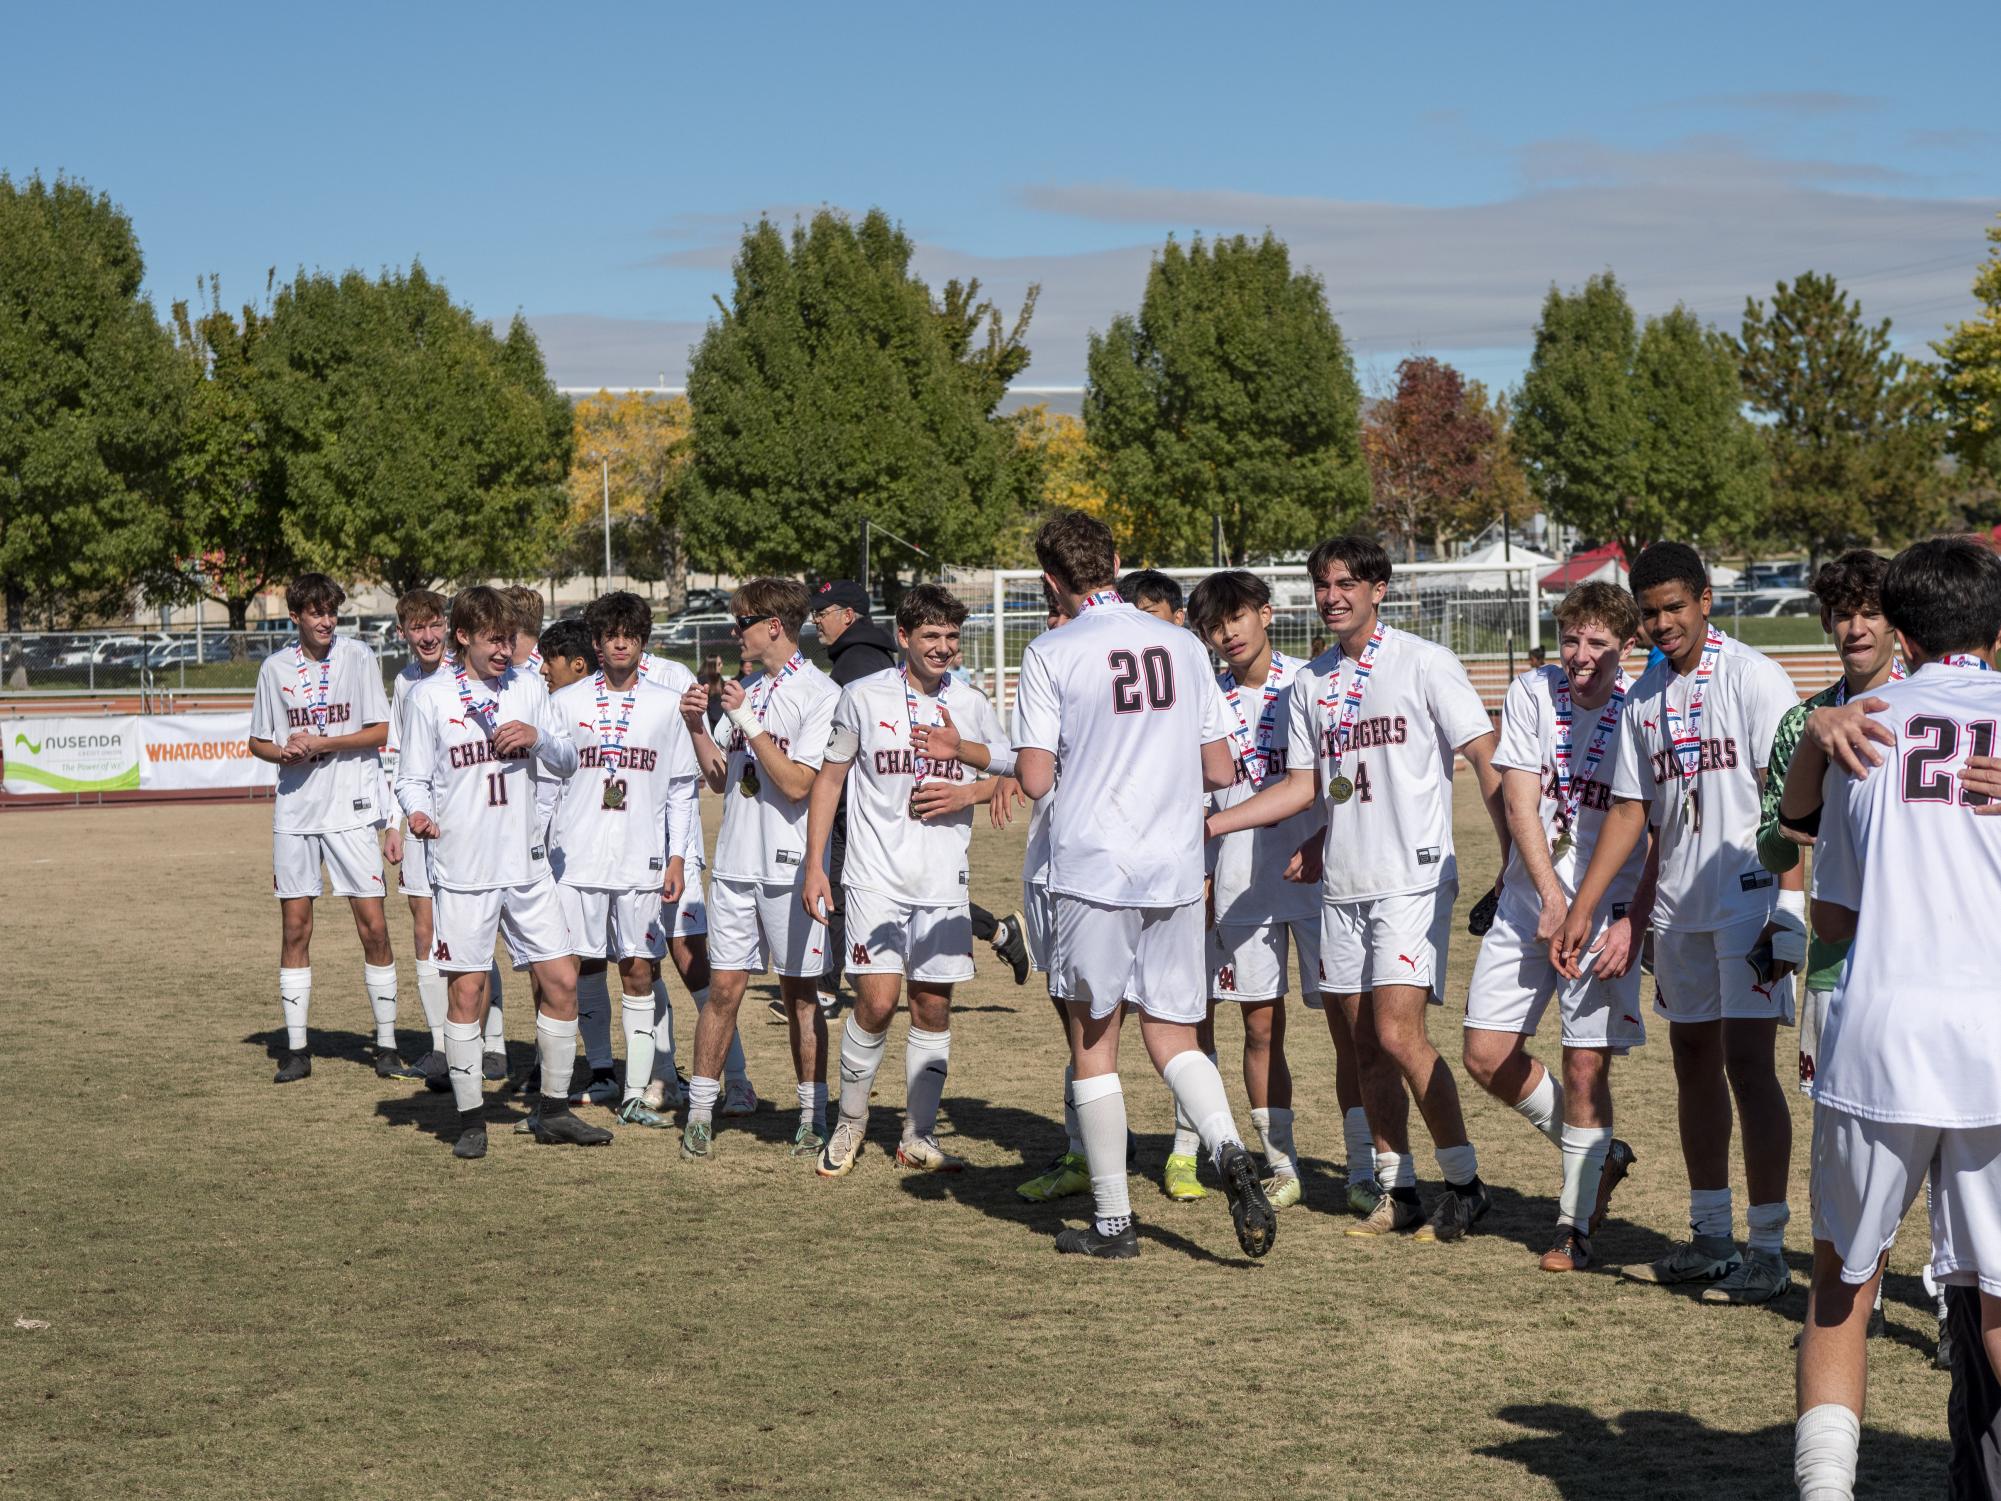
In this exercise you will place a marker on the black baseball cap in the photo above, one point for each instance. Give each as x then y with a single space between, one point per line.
845 592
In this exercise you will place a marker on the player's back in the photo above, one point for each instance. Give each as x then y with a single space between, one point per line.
1125 702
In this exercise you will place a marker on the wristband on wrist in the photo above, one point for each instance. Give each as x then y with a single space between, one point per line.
1793 904
746 721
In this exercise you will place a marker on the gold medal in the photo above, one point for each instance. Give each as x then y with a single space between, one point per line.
748 783
1562 846
1341 789
614 795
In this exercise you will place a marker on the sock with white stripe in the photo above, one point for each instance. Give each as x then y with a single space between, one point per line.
556 1044
927 1058
1542 1107
1198 1094
380 980
1584 1149
431 994
295 1000
462 1063
861 1056
636 1012
1101 1114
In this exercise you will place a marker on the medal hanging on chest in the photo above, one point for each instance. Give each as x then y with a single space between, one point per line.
920 766
317 708
611 743
1569 788
481 714
1684 733
749 783
1341 787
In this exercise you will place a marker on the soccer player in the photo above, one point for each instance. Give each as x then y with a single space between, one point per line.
1126 705
1694 744
1908 1072
1385 711
464 779
1559 728
624 827
905 749
779 719
1154 593
1256 913
320 717
527 608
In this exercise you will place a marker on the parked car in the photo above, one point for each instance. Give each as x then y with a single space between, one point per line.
1760 577
1773 602
185 653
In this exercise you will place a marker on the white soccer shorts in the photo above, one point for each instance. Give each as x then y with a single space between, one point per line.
1703 977
613 924
1513 981
1247 960
888 937
353 856
1038 920
530 917
759 926
1813 1022
1152 956
689 917
1866 1174
414 875
1387 940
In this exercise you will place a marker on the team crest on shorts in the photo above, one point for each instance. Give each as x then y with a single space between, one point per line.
1226 977
860 953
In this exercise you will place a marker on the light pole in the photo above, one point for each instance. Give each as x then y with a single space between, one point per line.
605 466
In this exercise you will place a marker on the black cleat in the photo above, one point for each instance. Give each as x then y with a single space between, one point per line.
432 1066
1011 943
777 1007
389 1066
1084 1240
295 1067
495 1066
1619 1160
561 1128
1250 1210
471 1142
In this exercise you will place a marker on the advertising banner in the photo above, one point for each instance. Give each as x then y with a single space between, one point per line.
71 755
199 753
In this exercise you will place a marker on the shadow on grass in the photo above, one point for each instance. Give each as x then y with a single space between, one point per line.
1670 1456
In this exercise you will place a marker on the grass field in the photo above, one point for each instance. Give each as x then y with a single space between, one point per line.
256 1292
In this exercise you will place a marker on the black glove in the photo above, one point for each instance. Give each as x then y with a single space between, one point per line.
1481 918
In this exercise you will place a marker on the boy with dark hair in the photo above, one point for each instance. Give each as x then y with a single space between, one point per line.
1559 730
907 748
567 652
1155 593
1694 745
320 717
1908 1072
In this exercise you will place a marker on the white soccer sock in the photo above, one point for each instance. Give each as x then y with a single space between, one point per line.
1075 1131
663 1034
1584 1149
496 1023
594 1017
1395 1170
1825 1442
1768 1226
1198 1094
1543 1108
380 980
813 1107
861 1056
556 1043
1274 1126
702 1092
1459 1164
927 1058
1361 1146
462 1063
1187 1140
431 995
636 1012
1709 1211
295 1000
1101 1116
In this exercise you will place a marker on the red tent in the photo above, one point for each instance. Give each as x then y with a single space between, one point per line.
1607 563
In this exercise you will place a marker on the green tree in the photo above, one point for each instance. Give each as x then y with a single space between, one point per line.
1853 436
414 444
833 387
1970 372
1232 394
1634 435
90 400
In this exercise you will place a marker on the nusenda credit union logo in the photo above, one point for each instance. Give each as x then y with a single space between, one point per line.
73 760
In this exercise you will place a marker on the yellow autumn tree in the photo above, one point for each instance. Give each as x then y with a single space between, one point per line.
1069 467
641 440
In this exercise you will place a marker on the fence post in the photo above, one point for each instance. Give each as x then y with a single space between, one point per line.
1000 640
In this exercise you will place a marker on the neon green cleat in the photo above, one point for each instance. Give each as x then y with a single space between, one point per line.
1065 1176
1362 1196
1283 1192
1179 1180
806 1142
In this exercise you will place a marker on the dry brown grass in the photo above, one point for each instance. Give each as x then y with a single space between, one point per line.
255 1292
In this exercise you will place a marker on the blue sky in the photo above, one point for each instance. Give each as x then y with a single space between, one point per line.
592 168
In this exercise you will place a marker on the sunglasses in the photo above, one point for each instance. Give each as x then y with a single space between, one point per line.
745 622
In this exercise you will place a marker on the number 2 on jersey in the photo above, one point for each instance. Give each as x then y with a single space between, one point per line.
1155 666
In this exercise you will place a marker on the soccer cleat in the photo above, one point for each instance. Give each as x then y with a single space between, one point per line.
1571 1251
437 1076
1010 941
389 1066
1084 1240
295 1067
1250 1210
471 1143
1362 1196
1619 1160
1701 1258
1283 1192
1390 1216
1759 1277
777 1007
1067 1174
634 1113
494 1066
837 1157
654 1096
1455 1214
806 1142
740 1099
563 1129
829 1002
698 1142
602 1090
924 1154
1179 1180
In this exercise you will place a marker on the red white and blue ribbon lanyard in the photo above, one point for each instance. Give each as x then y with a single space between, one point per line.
920 765
768 690
1569 789
1254 751
1102 597
316 709
1340 788
1686 743
611 738
1897 676
480 714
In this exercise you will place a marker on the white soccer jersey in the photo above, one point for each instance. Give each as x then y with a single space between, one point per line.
483 804
1911 1031
1528 743
666 672
921 864
1248 867
649 773
763 837
340 789
1393 835
409 676
1709 872
1125 702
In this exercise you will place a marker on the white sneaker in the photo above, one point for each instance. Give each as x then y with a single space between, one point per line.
924 1154
740 1099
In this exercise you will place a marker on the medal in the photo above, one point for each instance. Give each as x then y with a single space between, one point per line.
748 783
1685 744
1562 846
316 708
1341 789
611 741
1254 750
1570 789
920 766
614 795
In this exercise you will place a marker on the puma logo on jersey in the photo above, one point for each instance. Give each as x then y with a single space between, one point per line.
887 725
1408 960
